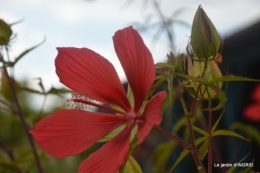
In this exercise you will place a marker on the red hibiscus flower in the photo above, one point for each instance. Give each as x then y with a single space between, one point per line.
252 112
69 132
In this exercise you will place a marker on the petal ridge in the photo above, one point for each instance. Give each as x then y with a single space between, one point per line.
69 132
85 71
110 156
136 61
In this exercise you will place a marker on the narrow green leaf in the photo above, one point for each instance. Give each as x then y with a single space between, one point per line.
250 131
184 154
134 143
112 134
31 90
221 96
233 78
25 156
246 170
161 155
131 166
204 149
216 123
130 96
182 122
156 85
24 53
192 78
199 130
170 81
40 84
164 65
58 91
228 133
179 59
231 169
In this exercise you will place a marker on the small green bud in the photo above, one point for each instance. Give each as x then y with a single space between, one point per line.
205 40
5 33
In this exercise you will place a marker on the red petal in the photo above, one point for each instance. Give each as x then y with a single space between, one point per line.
110 156
252 112
256 94
151 116
69 132
85 71
136 61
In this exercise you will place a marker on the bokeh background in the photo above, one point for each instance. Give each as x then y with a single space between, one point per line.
83 23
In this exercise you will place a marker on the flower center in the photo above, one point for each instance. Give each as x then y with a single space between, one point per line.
131 115
81 101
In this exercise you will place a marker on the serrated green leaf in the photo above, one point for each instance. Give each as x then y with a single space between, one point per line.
228 133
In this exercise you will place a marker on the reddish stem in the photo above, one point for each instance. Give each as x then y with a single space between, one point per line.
173 137
21 116
210 139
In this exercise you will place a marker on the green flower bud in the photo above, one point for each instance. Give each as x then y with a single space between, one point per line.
5 33
205 40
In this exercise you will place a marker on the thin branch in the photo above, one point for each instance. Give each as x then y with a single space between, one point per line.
194 150
10 108
173 137
21 116
210 138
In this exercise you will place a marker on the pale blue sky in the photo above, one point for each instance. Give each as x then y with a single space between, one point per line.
81 23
